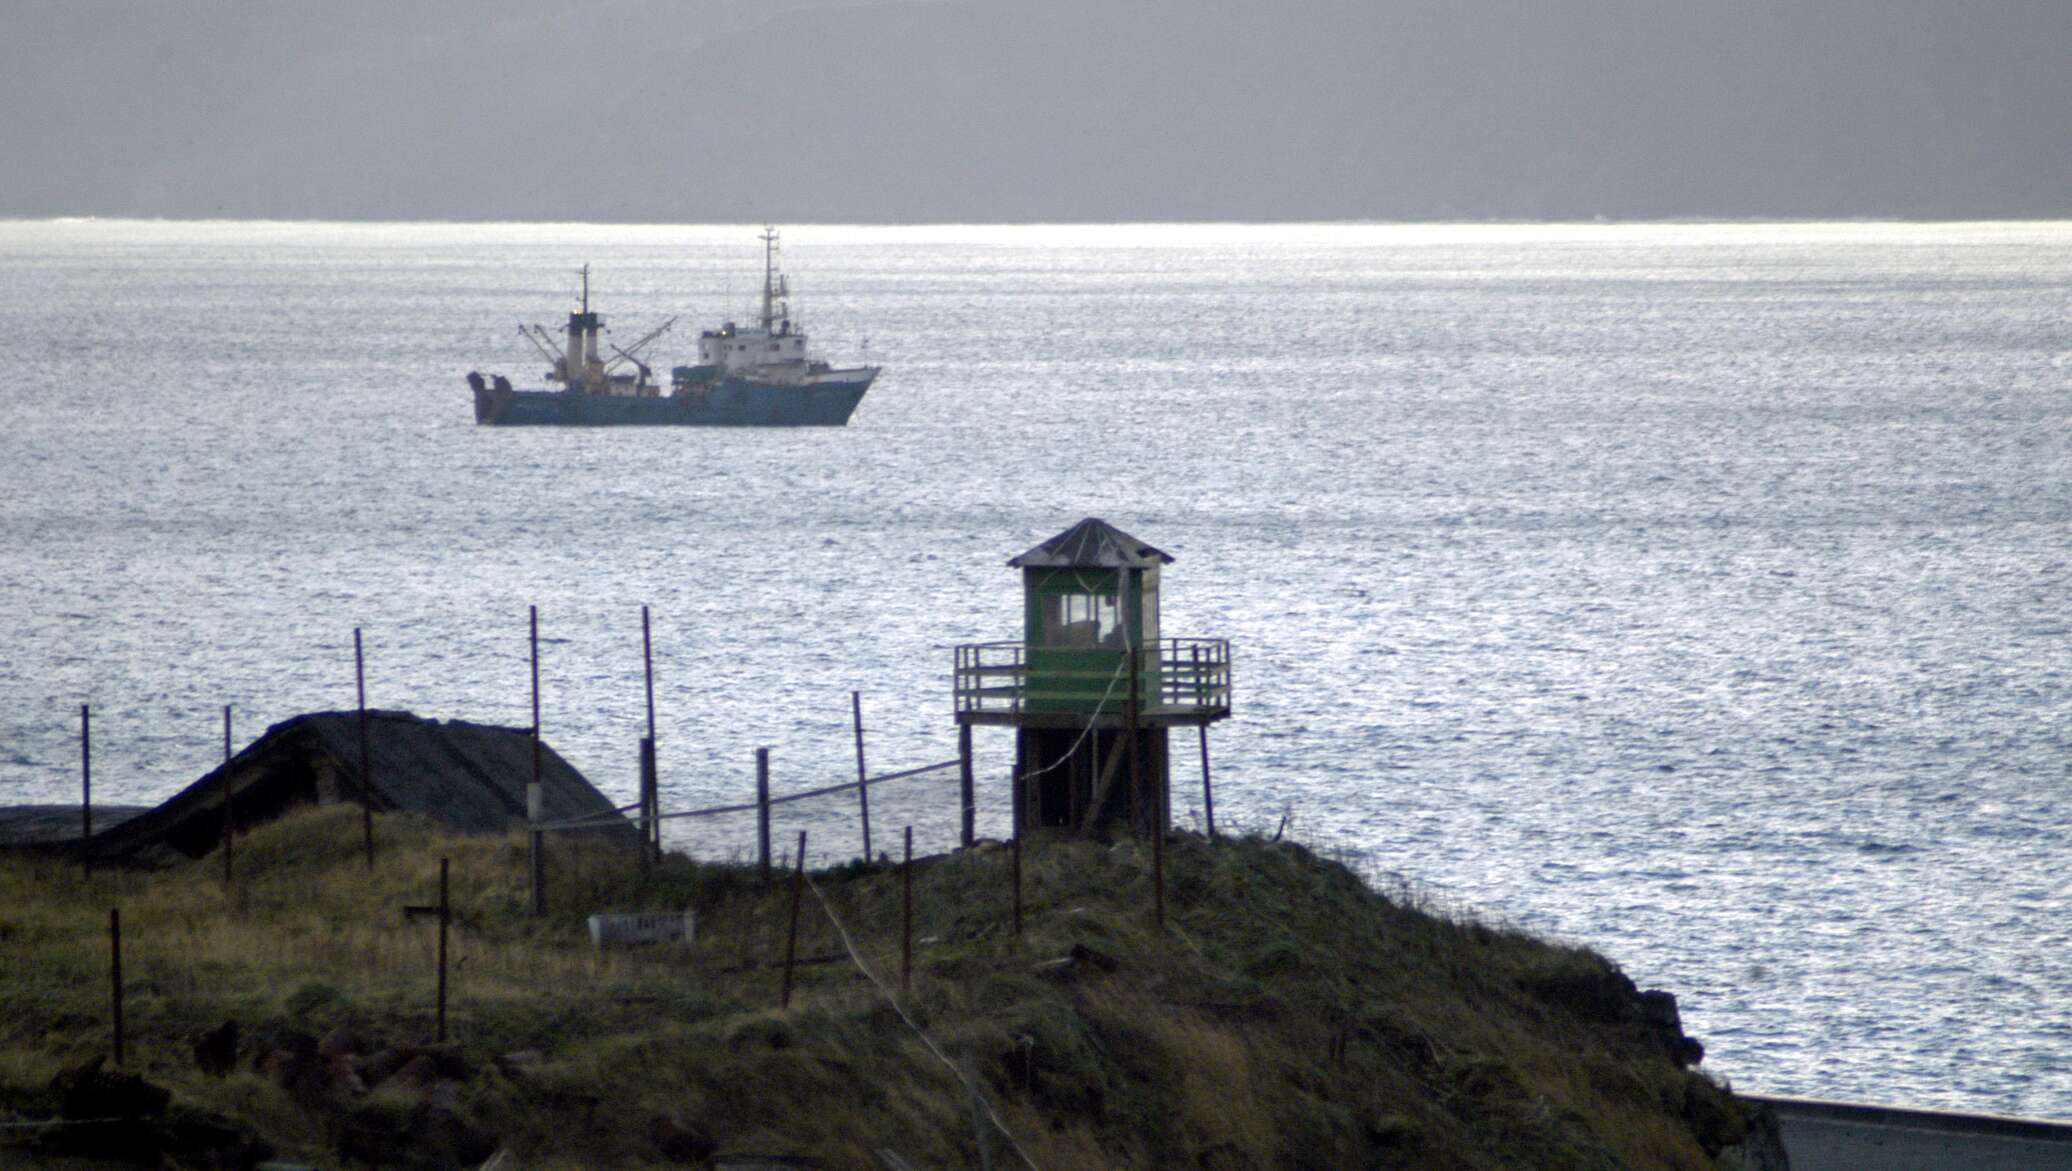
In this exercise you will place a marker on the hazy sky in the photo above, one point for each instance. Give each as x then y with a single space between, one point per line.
991 110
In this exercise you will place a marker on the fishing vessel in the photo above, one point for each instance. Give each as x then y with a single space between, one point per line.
760 375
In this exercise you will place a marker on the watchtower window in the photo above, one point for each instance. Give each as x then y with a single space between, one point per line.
1082 620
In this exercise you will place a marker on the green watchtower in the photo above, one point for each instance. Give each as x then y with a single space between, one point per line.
1092 688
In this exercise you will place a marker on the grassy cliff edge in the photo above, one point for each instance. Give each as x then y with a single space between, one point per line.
1288 1016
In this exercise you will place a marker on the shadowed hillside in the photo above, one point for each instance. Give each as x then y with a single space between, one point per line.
1289 1016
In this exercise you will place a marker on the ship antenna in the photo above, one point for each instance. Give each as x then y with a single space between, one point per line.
586 288
769 274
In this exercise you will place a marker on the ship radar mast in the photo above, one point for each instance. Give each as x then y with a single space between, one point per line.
775 291
579 363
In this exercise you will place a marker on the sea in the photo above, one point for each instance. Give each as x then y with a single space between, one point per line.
1700 593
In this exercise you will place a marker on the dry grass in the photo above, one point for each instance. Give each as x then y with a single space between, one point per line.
1289 1017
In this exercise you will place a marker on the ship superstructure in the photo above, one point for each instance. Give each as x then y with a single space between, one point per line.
760 375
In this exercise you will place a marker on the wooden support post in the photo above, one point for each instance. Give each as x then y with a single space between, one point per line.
1162 813
115 975
1017 859
1157 805
86 791
445 917
791 939
366 768
863 785
1208 794
229 797
906 917
1136 769
536 861
965 785
762 811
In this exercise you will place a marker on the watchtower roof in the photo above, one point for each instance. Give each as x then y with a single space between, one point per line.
1092 544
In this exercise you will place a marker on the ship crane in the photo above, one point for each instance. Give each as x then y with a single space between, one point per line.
630 353
545 348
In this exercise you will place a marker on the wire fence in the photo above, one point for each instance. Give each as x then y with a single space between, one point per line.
707 834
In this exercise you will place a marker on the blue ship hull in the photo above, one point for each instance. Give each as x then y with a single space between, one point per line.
726 403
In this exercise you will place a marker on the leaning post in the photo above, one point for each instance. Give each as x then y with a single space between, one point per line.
863 784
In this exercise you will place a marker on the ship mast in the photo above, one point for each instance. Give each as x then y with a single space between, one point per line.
579 363
774 290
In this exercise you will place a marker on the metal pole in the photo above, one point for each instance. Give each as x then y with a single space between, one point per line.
86 791
791 940
229 808
762 810
964 782
366 771
445 916
647 661
115 974
863 786
906 917
649 826
536 862
651 846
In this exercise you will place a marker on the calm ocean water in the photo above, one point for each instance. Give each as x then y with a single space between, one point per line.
1699 593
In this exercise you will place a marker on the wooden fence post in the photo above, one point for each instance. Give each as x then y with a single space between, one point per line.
536 862
366 767
791 939
652 847
863 787
229 809
86 792
762 810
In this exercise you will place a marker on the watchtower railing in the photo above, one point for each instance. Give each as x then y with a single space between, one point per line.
1179 676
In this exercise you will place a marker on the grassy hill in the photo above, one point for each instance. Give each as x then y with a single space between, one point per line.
1288 1016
